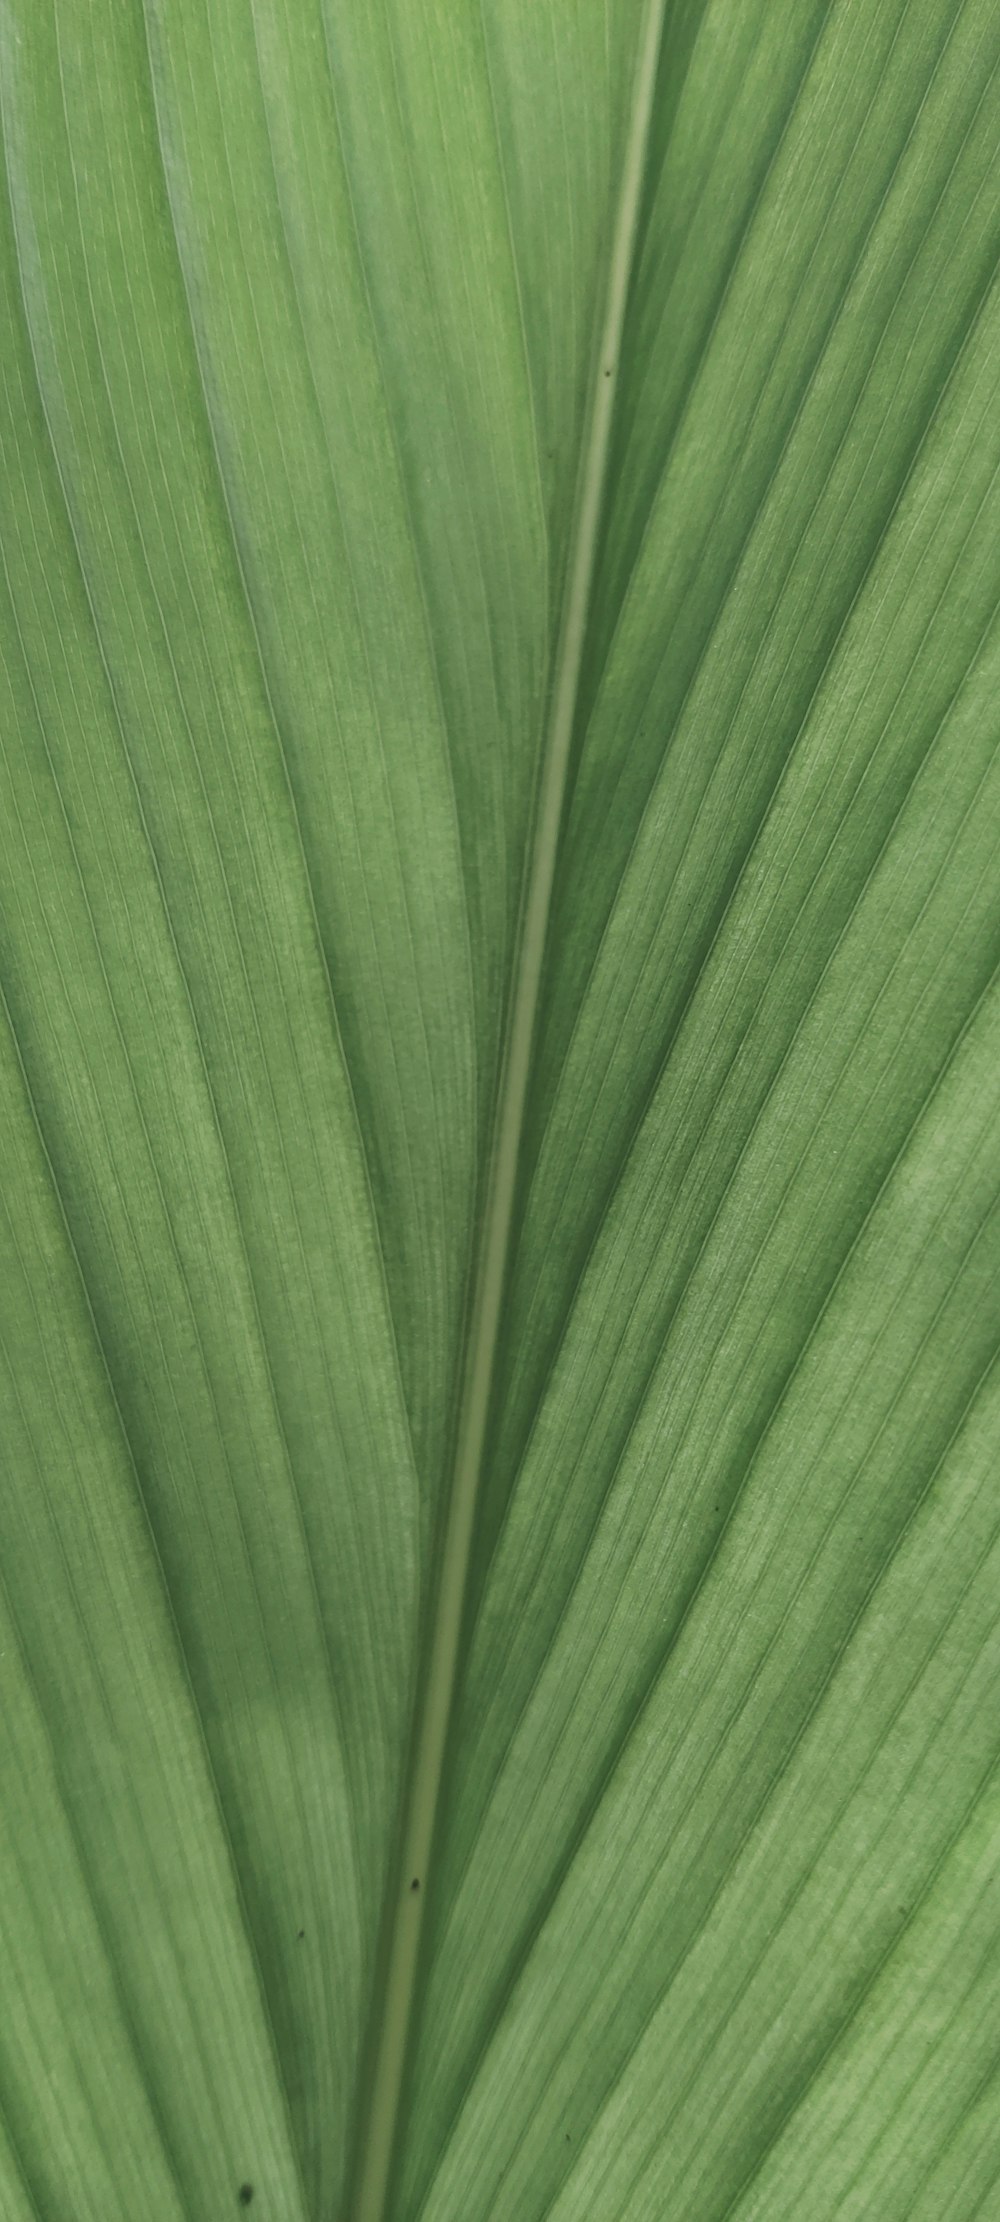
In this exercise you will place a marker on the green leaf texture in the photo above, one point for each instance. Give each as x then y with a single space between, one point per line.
500 1099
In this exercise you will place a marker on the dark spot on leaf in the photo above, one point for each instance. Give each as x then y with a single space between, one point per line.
415 1884
300 1936
245 2194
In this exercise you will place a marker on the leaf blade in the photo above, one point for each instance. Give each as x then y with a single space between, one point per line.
300 327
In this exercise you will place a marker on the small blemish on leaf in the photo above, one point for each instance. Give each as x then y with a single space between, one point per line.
299 1936
415 1884
245 2194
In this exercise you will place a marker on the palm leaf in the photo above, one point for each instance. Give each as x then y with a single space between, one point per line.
501 1072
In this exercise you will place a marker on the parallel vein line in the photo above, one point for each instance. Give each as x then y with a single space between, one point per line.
141 1491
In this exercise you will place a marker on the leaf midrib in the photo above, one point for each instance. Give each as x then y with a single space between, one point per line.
367 2200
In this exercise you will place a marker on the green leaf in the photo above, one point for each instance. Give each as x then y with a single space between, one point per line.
500 1047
